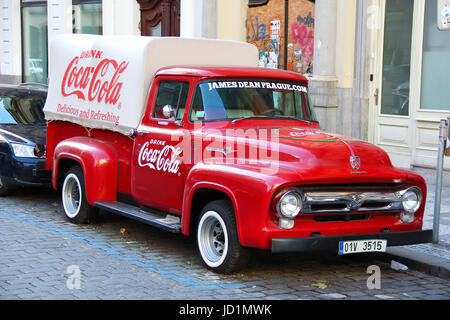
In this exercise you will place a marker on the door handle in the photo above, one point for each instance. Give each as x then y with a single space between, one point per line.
376 95
141 133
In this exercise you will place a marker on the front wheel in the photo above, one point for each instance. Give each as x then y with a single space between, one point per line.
217 238
74 201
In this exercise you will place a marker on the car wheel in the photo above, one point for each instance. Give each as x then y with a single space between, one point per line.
4 191
74 201
217 238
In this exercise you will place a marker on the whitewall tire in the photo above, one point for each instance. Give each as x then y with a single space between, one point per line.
218 240
74 200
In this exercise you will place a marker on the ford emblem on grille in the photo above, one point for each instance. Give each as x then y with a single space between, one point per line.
355 162
354 203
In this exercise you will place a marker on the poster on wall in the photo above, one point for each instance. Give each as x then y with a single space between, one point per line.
267 30
443 15
301 37
274 44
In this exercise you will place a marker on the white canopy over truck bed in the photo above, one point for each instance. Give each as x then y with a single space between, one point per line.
103 81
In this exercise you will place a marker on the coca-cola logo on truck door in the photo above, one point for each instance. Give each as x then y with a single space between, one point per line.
165 159
99 83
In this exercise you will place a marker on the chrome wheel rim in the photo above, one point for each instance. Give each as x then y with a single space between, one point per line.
212 239
71 195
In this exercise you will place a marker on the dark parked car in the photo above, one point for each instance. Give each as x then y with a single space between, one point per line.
22 137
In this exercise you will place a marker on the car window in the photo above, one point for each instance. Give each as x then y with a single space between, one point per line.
25 110
171 100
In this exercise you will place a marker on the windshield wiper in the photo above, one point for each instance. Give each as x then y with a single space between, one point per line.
249 118
290 118
270 117
294 118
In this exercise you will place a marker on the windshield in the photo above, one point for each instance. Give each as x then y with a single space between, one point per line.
22 110
241 99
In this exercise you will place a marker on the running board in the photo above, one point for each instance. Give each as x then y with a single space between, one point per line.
154 218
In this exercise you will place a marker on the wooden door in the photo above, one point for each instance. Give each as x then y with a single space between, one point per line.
392 108
160 17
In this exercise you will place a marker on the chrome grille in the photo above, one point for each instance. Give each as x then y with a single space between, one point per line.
347 202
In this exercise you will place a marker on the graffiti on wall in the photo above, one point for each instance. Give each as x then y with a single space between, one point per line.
266 29
302 44
268 44
259 30
307 21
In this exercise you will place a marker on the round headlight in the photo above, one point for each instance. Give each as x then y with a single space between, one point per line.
290 204
411 200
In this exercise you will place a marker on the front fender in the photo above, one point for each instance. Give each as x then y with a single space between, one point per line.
250 192
99 162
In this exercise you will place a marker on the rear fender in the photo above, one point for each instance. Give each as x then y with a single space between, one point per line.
99 162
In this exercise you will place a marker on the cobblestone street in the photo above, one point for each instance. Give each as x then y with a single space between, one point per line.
117 258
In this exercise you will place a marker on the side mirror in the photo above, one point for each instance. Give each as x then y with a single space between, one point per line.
132 133
168 111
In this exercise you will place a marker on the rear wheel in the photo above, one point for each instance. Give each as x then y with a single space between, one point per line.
74 201
217 238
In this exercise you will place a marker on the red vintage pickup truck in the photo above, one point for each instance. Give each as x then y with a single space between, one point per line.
230 153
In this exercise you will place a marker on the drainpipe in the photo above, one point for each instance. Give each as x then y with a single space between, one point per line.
443 135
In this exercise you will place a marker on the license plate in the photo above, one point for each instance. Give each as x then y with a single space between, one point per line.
358 246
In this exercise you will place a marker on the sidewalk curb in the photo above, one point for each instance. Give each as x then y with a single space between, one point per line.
429 264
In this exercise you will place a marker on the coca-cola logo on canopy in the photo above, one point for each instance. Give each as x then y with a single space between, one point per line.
100 83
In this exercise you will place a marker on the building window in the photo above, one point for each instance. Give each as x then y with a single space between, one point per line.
34 41
87 16
435 67
398 26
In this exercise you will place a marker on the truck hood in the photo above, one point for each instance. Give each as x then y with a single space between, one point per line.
307 153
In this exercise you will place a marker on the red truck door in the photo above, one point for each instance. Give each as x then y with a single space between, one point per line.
158 170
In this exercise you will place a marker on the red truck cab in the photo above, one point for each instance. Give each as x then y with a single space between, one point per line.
231 154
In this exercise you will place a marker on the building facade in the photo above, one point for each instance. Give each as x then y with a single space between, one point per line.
378 68
283 32
381 74
28 26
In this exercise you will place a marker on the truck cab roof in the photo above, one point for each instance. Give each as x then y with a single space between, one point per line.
230 72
